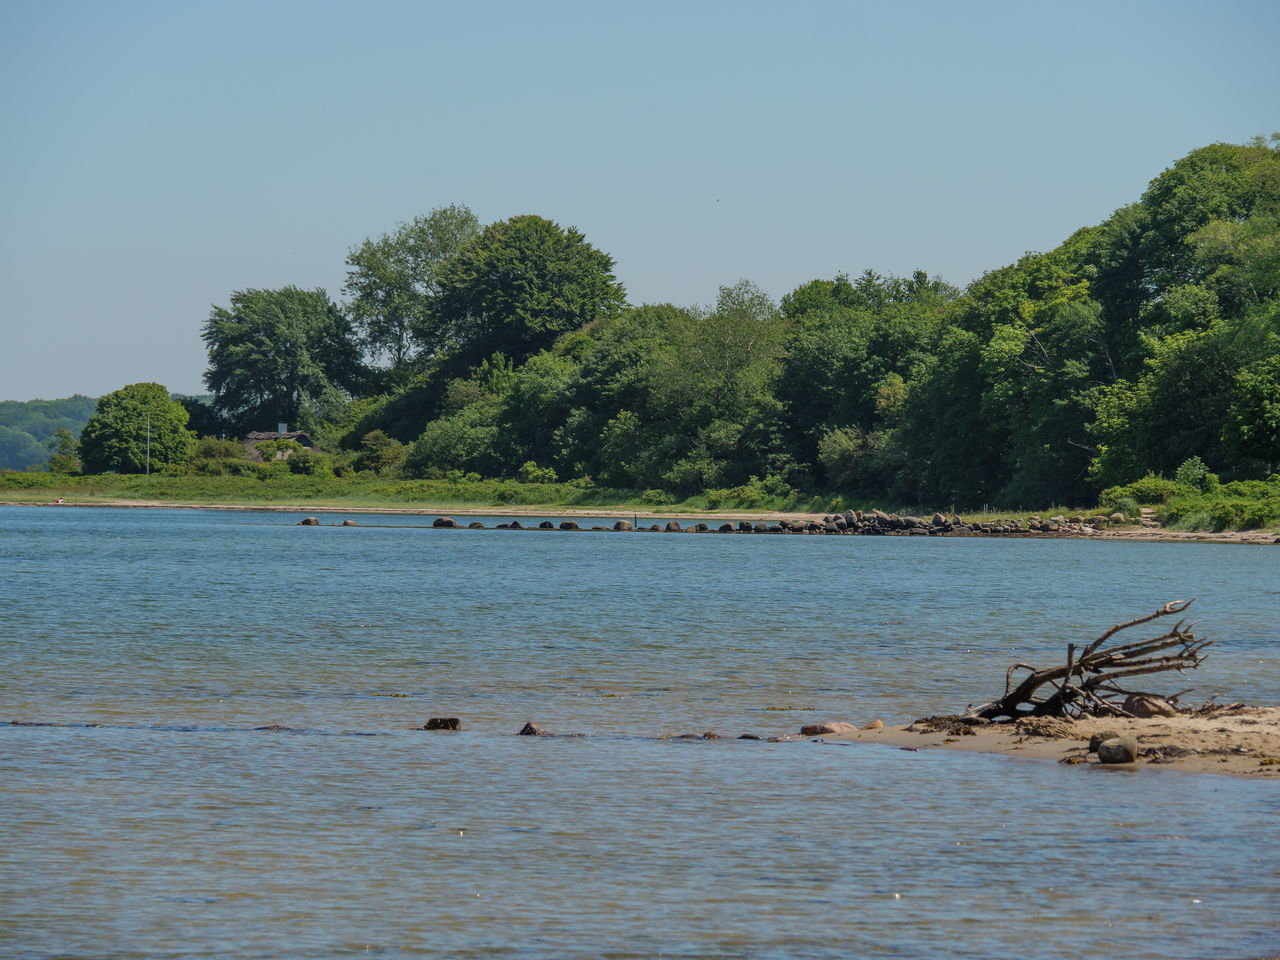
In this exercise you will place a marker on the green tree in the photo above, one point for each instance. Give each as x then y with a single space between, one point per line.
392 279
1222 182
274 353
1179 407
852 349
517 287
1252 429
203 419
135 429
64 452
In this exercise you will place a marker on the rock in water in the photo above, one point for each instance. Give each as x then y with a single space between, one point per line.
444 522
308 522
532 729
1118 750
443 723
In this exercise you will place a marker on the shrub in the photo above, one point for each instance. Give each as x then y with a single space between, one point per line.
840 451
530 472
1150 489
657 498
310 463
274 470
1195 474
380 453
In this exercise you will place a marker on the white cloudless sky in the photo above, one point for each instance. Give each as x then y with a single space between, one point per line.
156 156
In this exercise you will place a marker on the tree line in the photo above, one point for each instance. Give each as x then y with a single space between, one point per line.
510 350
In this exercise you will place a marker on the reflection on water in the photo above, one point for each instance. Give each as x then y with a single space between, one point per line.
177 828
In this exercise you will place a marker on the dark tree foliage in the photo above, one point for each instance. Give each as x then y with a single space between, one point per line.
517 287
64 452
392 280
274 353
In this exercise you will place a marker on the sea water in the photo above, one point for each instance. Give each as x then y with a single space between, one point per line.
218 748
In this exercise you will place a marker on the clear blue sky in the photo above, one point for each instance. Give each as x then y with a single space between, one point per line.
158 156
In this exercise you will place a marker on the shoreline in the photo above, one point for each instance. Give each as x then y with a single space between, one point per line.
1233 741
1139 534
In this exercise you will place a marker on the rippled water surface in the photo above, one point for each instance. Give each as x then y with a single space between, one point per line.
222 759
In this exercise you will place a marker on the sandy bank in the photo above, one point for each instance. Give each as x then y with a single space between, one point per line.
1235 740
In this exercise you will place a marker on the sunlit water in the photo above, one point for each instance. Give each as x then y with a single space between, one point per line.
148 817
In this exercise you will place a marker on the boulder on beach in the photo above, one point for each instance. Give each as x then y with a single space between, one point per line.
1118 750
1102 736
1143 705
836 727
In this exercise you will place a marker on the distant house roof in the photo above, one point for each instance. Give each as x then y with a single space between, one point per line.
259 435
252 439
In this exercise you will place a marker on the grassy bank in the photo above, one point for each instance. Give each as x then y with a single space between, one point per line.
1205 506
1250 505
368 491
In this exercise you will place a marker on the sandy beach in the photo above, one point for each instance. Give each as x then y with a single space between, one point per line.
1232 740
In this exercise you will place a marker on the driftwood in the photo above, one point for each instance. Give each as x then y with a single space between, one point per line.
1089 682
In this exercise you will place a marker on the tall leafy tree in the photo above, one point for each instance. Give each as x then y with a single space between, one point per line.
391 280
276 352
1252 430
64 452
135 429
517 287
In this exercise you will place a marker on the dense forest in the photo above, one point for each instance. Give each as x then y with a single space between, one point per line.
1142 346
27 427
